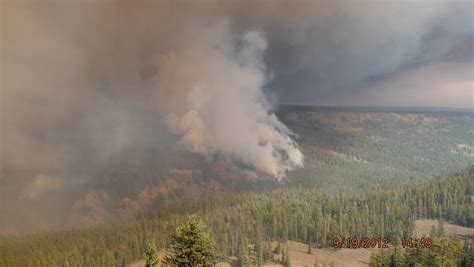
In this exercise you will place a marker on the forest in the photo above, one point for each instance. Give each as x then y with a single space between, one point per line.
343 149
244 224
358 146
367 173
442 251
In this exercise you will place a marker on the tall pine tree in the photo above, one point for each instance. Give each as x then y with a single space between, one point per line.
193 245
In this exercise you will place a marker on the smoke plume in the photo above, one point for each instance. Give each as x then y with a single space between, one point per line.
220 108
102 69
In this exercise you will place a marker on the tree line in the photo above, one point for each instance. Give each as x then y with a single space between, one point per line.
243 224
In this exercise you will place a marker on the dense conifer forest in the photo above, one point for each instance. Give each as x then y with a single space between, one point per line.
350 147
441 251
242 224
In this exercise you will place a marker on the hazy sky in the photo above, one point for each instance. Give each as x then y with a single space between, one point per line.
323 52
395 53
83 79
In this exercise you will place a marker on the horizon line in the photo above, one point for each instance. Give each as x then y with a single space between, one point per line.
471 109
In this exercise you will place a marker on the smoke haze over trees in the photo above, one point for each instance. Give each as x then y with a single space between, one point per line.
85 82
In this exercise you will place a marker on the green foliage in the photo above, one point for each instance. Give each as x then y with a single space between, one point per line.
362 177
277 249
350 148
243 254
468 253
286 257
440 229
444 251
297 213
193 245
310 251
151 256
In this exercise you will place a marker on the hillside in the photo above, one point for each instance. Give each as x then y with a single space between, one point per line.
360 146
343 147
379 168
299 256
297 214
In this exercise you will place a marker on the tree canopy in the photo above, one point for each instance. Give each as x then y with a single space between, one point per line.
193 245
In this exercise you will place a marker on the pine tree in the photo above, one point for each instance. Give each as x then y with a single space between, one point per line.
310 251
440 228
267 252
243 252
259 248
465 256
282 255
433 232
278 248
193 245
471 253
151 256
286 260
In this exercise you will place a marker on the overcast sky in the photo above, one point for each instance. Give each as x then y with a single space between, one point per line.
383 53
322 52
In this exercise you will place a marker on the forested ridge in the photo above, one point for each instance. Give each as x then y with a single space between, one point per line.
367 173
360 146
343 149
293 213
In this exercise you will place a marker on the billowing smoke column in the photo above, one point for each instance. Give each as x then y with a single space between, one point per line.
218 105
82 82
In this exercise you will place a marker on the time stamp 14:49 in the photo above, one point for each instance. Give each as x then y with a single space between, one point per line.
380 242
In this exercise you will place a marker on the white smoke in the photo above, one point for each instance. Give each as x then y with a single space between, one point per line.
218 105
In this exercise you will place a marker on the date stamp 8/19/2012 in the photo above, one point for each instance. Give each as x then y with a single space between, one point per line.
380 242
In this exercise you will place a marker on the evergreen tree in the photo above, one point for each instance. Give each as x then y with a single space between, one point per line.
433 232
440 228
286 260
282 255
278 248
151 256
193 245
243 252
310 251
465 258
471 254
267 252
259 249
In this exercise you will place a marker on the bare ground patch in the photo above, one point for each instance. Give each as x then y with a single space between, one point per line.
423 228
